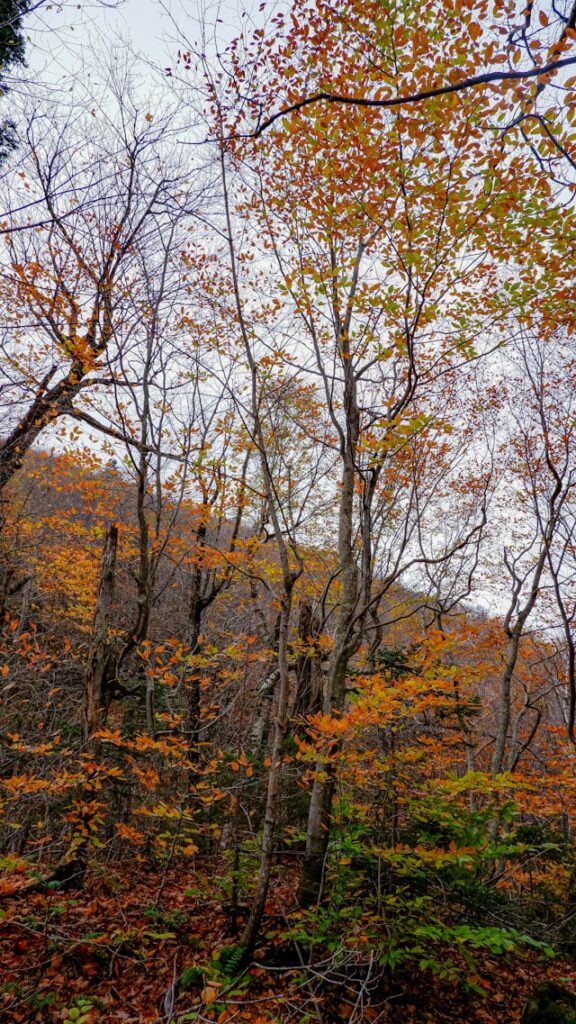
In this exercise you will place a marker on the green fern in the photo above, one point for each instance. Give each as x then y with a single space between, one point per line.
191 977
231 960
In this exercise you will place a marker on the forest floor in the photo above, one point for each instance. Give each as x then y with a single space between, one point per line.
110 951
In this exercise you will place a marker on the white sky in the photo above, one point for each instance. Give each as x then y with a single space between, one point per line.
61 41
61 38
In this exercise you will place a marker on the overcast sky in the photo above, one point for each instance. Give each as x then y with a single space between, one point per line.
61 40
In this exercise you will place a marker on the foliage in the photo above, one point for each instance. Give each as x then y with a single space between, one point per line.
11 52
288 526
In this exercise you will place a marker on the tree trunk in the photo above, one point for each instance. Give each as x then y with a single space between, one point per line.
100 653
47 406
318 830
261 719
515 634
194 626
309 696
252 927
289 577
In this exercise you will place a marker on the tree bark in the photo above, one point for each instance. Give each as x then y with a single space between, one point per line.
309 696
252 927
100 652
48 405
318 830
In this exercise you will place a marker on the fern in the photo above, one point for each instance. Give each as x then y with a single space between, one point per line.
231 960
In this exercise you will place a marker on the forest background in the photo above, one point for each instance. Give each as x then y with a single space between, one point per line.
287 483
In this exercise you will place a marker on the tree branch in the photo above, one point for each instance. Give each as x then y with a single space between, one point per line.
472 82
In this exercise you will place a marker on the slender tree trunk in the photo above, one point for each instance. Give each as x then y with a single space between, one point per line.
323 787
514 637
289 577
145 579
505 703
261 718
196 608
252 927
346 639
99 657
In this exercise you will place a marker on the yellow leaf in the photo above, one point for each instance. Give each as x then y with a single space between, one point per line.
210 994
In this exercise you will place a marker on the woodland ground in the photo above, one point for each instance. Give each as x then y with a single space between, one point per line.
109 952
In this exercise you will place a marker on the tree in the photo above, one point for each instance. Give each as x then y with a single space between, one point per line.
75 234
11 52
543 451
335 380
99 668
505 61
383 244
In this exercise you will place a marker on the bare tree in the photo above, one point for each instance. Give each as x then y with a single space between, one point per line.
82 212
